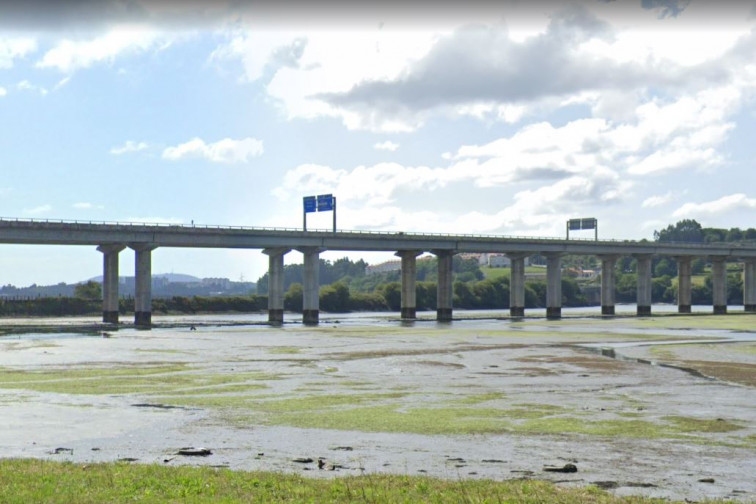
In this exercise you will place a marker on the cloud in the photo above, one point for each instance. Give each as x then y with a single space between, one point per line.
129 146
86 206
482 71
14 48
388 145
222 151
610 58
71 55
3 91
723 205
39 210
659 200
25 85
666 8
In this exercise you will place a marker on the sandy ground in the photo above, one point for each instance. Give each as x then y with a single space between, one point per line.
580 391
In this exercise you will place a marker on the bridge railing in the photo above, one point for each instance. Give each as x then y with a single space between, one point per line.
312 231
341 232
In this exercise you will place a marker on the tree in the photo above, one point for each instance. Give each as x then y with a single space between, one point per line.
665 267
687 230
334 298
90 290
392 293
293 299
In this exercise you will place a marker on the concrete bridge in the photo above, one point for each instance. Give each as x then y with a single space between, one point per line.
112 238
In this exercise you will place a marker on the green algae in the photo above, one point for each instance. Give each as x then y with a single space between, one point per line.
284 350
126 379
389 419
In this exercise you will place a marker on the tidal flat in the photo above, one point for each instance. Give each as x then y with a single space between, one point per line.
662 406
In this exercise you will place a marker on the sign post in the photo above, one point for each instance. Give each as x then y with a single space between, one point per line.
308 205
319 203
584 223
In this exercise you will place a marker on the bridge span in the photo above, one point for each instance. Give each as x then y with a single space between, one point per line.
111 238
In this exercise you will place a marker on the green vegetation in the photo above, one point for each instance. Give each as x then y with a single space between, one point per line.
158 378
23 481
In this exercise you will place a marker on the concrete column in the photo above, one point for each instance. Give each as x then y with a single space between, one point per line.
409 276
143 284
607 283
444 293
311 287
276 284
644 284
110 282
553 285
749 285
719 285
683 284
517 285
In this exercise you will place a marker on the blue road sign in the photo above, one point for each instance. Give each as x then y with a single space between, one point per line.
325 202
574 224
589 223
310 204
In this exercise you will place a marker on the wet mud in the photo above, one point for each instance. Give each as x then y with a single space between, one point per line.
635 406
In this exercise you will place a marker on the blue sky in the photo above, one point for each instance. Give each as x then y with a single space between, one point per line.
503 119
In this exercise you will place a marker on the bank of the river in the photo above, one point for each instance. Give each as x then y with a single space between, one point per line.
485 398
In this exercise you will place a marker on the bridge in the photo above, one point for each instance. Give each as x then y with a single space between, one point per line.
111 238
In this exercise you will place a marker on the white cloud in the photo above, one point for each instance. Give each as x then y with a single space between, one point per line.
39 210
222 151
25 85
14 48
612 57
86 206
308 63
388 145
129 146
658 200
3 91
723 205
71 55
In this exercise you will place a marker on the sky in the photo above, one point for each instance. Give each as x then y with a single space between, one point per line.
497 118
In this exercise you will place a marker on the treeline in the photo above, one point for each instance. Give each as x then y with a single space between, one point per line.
481 294
77 306
690 231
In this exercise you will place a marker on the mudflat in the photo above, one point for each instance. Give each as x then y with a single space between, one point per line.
663 406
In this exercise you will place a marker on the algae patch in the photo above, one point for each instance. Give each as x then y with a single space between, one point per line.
131 379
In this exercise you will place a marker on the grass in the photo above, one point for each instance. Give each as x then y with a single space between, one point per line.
23 481
156 378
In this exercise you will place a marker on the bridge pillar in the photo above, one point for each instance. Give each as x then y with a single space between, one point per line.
444 293
683 284
607 283
719 285
143 284
517 284
409 277
311 287
749 285
110 282
276 284
643 299
553 285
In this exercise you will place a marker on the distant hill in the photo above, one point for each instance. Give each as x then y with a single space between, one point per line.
172 277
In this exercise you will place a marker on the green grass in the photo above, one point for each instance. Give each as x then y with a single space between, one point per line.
24 481
143 379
